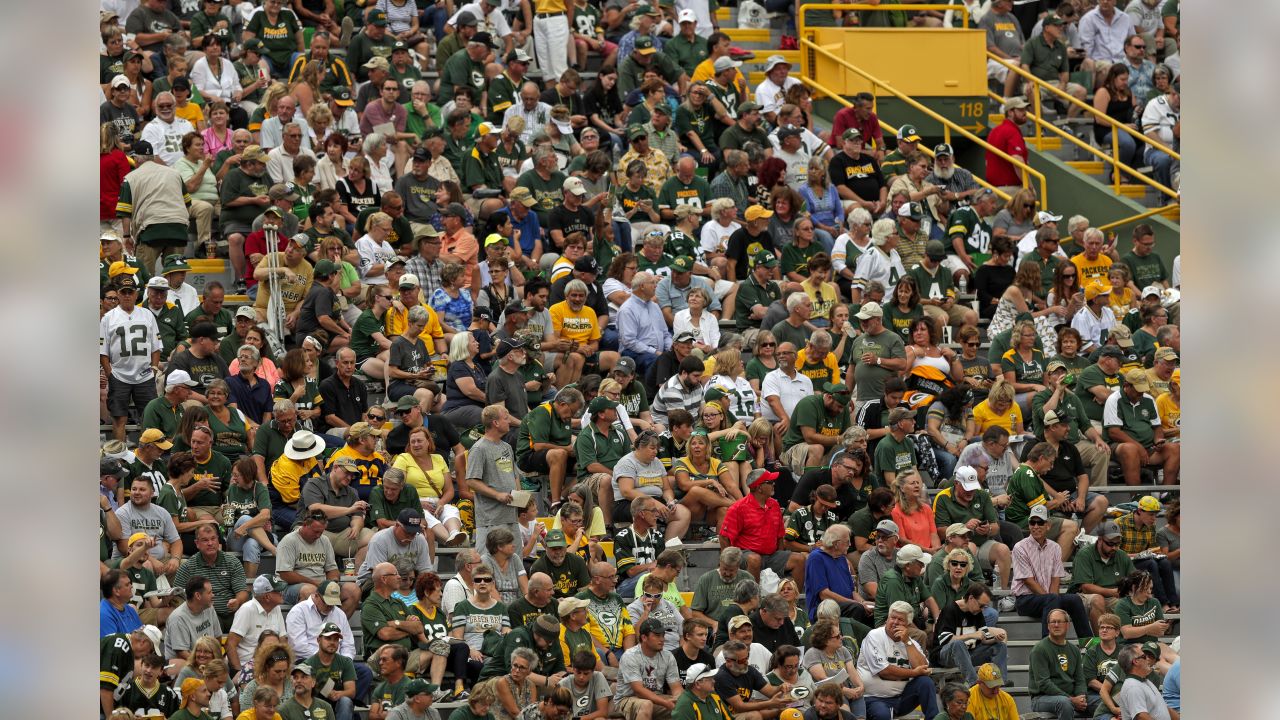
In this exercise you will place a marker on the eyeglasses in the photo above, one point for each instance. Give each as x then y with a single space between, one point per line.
1057 622
521 666
1108 543
1112 628
710 414
111 298
791 666
958 563
1136 46
386 297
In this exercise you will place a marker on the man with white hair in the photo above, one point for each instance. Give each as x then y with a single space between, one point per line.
280 159
957 183
827 576
272 133
258 614
894 669
882 262
166 131
642 330
771 93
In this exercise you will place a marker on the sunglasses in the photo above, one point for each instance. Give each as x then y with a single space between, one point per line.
958 563
478 580
1035 522
377 417
653 596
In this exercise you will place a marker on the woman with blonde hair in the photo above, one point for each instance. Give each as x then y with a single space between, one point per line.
823 203
912 514
319 119
464 385
704 484
425 469
267 109
368 338
306 89
1016 219
728 440
612 389
998 409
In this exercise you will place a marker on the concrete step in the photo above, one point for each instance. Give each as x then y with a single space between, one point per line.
768 36
1088 167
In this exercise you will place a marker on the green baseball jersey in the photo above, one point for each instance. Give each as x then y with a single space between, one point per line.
973 231
936 285
804 526
503 93
1026 490
461 70
700 121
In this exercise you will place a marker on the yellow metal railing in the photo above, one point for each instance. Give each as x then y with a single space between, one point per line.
948 126
893 130
1140 216
940 7
1098 116
1113 158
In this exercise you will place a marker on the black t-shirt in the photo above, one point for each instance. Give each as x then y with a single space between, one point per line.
571 221
124 118
320 302
728 684
606 104
1067 467
347 403
953 621
743 246
355 200
723 617
684 662
872 417
847 499
575 102
861 175
443 435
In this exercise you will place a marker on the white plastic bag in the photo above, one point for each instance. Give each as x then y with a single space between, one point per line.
769 581
752 14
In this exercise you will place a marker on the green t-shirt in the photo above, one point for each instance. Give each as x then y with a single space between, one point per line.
734 138
1070 405
1093 376
548 193
893 456
1147 270
1097 662
1089 567
172 500
1131 613
869 377
899 321
382 509
701 121
712 594
629 198
811 413
237 184
756 370
947 510
362 335
278 38
895 586
796 258
319 710
460 69
686 53
481 169
218 468
247 502
785 332
568 579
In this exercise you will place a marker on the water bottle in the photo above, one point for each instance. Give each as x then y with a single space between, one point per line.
964 284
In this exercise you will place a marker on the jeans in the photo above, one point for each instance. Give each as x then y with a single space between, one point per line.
919 691
622 235
627 588
1058 705
955 654
1128 149
434 17
1162 164
1041 605
364 682
250 549
946 462
609 339
824 239
991 614
1164 586
643 360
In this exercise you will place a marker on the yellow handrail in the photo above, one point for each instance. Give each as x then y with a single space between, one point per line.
1140 216
942 7
893 130
1097 114
1113 158
1027 170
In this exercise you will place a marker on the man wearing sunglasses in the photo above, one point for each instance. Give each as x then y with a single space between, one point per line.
1099 568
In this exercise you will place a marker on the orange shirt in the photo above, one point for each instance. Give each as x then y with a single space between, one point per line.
463 246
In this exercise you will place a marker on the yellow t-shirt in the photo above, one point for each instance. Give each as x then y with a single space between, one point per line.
1121 299
984 417
581 326
828 371
417 477
1001 707
548 6
190 112
1170 415
397 320
824 300
1091 270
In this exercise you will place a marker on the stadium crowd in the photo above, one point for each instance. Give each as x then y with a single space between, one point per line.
526 297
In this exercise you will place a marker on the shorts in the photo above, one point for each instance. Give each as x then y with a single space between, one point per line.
119 393
536 462
1055 526
1108 603
630 708
343 545
776 561
235 226
794 458
984 552
1089 497
954 264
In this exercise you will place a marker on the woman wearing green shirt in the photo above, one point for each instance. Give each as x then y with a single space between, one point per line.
280 33
232 431
297 383
904 309
639 203
763 359
1141 615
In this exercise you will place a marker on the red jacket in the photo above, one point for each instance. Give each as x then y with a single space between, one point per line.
113 166
872 135
1007 137
749 526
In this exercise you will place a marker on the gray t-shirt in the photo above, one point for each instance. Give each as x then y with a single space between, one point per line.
1139 695
657 673
871 566
508 581
1005 32
384 547
832 665
184 627
508 389
494 464
152 520
584 700
648 477
666 613
998 470
321 491
311 560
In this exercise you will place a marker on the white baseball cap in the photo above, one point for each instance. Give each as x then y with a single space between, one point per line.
686 15
180 377
698 671
968 478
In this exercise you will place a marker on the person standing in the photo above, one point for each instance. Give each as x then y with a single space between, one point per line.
550 20
1007 137
129 351
491 475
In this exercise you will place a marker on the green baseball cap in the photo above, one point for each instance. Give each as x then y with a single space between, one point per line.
766 258
684 263
835 388
175 263
600 403
417 686
324 268
378 17
556 538
637 131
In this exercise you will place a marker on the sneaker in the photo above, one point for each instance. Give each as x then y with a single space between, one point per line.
240 287
1006 604
460 696
441 695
